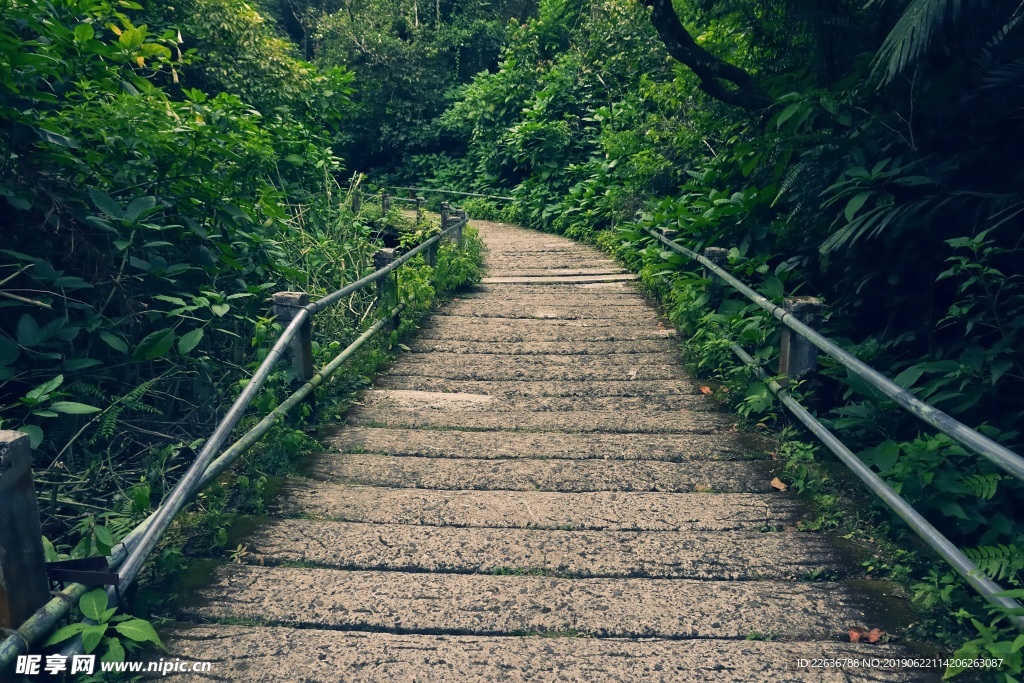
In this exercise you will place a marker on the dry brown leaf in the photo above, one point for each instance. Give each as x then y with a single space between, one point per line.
705 390
875 635
777 484
703 488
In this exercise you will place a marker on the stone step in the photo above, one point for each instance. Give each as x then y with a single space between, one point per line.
510 277
524 388
546 348
401 602
622 293
550 445
731 556
446 358
615 511
274 654
531 474
610 421
513 330
445 400
515 370
501 311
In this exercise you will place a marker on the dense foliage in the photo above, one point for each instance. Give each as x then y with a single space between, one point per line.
882 177
164 169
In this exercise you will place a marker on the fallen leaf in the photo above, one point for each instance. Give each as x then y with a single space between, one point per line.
705 390
777 484
703 488
875 635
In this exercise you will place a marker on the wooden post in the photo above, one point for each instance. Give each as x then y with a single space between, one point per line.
357 202
286 306
23 584
719 257
462 216
421 204
385 202
387 287
798 358
445 208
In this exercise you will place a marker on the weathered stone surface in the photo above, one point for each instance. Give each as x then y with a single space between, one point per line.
508 277
612 421
515 370
737 555
272 655
511 330
493 401
654 387
532 474
458 444
548 467
490 605
540 510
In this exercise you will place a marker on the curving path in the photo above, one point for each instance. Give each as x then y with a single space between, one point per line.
537 491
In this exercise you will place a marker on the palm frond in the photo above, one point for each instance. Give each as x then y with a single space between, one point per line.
913 33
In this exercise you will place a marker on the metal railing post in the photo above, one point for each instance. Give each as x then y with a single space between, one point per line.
387 287
286 306
23 584
719 257
798 358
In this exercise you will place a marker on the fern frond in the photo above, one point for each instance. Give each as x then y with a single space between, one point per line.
983 485
998 562
913 33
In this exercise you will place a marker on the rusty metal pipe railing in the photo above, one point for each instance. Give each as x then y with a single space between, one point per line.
992 451
130 554
934 538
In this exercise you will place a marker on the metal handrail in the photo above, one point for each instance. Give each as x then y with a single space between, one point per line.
958 431
999 455
463 194
130 554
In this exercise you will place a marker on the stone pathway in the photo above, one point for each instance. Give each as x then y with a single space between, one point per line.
538 491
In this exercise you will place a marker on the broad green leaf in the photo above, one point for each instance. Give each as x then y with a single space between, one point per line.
139 206
94 603
28 331
115 651
154 345
139 631
45 388
80 364
73 408
92 636
114 342
84 32
35 435
56 138
220 309
103 536
105 203
854 205
170 299
8 351
62 634
295 159
786 114
189 341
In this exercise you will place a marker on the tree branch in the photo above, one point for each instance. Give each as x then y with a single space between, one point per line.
714 73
